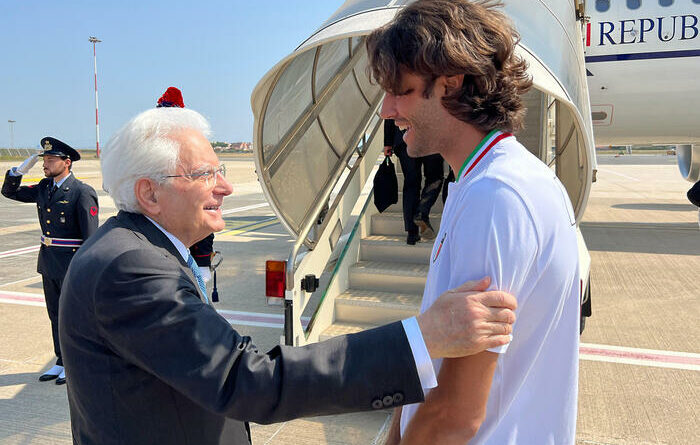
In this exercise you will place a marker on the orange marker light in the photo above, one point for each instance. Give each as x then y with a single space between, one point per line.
275 282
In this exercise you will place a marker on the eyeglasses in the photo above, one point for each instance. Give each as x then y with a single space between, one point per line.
208 177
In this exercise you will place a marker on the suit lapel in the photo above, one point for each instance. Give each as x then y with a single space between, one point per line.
154 236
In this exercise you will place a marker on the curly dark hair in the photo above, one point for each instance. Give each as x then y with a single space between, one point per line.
431 38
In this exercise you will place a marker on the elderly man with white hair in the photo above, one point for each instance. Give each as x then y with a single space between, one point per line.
152 362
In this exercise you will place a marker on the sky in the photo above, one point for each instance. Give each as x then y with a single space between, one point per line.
215 51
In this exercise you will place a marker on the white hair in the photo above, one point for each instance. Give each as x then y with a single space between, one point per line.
143 148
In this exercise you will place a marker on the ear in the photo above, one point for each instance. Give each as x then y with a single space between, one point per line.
146 192
452 83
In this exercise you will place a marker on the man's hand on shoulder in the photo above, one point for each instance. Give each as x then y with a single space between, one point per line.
468 320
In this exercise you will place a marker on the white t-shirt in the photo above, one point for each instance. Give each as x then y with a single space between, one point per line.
509 217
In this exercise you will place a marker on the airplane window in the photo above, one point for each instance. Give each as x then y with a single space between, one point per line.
634 4
670 2
602 5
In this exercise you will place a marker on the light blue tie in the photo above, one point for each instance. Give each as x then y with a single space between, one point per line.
198 276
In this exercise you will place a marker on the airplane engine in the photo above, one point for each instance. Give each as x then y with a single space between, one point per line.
689 161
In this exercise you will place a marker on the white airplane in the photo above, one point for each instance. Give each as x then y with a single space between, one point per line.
642 61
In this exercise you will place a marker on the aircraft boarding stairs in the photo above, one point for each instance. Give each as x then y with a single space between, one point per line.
318 137
387 282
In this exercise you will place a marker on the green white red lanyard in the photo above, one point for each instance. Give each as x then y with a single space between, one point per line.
486 144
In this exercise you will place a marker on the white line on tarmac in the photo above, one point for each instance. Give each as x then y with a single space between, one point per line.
601 353
23 298
32 249
605 170
243 209
384 427
35 277
20 251
259 319
640 357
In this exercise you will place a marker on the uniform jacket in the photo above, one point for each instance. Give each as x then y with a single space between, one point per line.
70 213
150 363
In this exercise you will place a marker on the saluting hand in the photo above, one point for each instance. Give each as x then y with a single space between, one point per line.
27 165
467 320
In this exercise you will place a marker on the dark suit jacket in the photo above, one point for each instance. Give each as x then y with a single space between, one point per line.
150 363
70 213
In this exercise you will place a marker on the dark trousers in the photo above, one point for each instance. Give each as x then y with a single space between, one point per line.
52 292
417 204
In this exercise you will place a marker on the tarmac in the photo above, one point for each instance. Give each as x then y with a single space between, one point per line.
640 352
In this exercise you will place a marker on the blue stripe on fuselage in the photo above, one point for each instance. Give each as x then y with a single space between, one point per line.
644 56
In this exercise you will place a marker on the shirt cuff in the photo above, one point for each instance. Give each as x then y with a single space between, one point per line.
501 349
424 365
14 172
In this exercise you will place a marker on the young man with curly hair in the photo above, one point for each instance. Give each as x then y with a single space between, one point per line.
454 83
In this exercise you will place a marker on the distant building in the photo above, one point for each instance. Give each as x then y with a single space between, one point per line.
233 147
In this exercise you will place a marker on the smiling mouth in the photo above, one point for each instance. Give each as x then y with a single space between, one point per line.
214 208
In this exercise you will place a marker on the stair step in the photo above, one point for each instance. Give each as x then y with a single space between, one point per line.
389 277
391 223
398 207
393 248
343 328
374 307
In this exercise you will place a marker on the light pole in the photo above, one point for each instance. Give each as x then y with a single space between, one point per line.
94 41
12 134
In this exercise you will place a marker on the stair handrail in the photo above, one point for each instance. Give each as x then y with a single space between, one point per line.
325 196
361 150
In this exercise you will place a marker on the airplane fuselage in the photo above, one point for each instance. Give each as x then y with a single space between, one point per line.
643 68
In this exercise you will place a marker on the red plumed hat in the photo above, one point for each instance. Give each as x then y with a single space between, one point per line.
171 98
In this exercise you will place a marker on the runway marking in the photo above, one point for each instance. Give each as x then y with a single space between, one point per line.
618 174
231 232
35 226
36 278
592 352
20 251
640 357
244 208
385 426
260 319
20 228
38 179
228 233
22 298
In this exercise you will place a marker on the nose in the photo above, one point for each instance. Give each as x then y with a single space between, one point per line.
223 186
388 110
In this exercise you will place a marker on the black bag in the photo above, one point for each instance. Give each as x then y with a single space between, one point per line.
386 186
693 193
